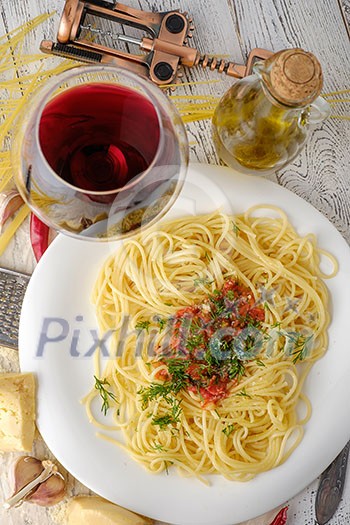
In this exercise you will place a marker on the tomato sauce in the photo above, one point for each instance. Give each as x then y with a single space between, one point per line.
202 342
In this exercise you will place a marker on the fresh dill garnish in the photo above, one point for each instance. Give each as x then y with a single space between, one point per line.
167 390
236 229
176 409
162 421
267 307
154 391
172 417
230 295
162 322
252 323
211 360
228 430
195 341
259 362
104 393
168 304
243 393
300 345
250 343
277 324
217 413
196 324
218 305
177 368
143 325
158 447
166 466
236 368
207 256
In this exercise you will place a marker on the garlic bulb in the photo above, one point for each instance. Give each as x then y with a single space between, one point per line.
37 482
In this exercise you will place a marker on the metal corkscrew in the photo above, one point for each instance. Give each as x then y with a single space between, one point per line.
165 43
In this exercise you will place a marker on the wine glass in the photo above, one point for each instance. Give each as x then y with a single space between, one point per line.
100 153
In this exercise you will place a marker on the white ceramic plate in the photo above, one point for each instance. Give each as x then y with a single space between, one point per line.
60 288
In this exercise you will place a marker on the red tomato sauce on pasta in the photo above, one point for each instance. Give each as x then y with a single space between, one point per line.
203 338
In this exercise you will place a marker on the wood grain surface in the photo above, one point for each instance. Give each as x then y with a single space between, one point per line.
320 174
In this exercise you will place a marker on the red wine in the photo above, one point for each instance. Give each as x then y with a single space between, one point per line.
98 137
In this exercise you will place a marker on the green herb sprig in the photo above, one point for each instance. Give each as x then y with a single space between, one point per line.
162 322
105 394
243 393
158 447
143 325
301 347
228 430
236 229
172 417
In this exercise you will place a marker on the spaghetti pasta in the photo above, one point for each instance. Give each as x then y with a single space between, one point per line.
255 420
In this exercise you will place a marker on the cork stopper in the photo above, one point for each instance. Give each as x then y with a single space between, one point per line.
293 77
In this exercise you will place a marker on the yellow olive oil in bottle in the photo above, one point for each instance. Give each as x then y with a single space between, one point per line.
262 122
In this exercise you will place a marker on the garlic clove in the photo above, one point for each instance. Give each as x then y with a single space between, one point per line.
10 202
25 470
50 492
29 476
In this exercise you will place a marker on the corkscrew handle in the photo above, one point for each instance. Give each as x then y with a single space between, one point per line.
230 68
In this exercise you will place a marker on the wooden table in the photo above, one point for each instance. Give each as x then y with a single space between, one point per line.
320 174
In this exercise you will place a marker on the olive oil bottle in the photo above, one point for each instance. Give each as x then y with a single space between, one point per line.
262 122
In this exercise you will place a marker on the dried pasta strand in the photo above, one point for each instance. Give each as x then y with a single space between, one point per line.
337 100
13 227
342 117
340 92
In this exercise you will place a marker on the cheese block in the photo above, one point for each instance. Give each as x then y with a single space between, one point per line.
17 412
93 510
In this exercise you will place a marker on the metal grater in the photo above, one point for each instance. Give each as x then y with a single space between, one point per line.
13 286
